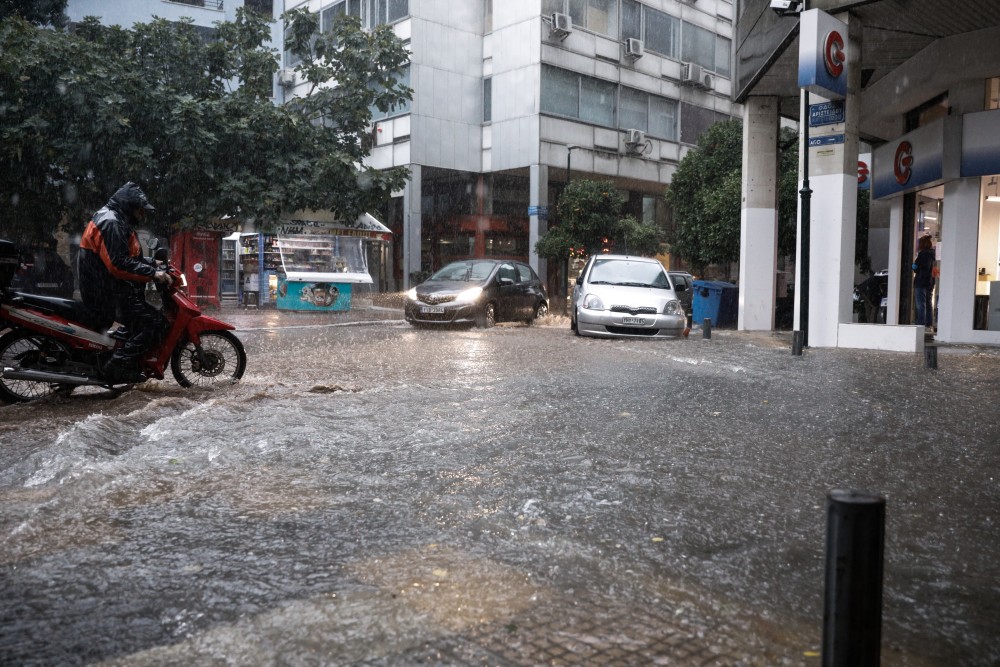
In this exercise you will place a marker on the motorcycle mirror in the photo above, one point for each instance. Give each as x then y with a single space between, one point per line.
153 243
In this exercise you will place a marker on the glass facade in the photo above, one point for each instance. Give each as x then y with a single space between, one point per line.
604 103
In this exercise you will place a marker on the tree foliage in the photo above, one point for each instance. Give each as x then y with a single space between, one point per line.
590 217
44 12
83 112
706 195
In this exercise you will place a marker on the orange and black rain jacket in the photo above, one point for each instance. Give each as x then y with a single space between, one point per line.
111 265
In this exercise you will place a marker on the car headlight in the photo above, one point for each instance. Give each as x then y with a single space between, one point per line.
412 294
469 295
673 307
593 302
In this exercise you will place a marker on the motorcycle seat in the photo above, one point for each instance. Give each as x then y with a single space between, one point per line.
69 309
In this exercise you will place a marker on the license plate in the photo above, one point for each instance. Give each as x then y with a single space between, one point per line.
432 309
633 320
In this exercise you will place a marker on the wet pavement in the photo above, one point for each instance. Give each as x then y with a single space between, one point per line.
372 494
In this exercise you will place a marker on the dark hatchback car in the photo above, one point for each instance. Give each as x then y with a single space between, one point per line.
478 291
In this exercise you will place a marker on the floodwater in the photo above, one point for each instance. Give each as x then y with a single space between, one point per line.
382 495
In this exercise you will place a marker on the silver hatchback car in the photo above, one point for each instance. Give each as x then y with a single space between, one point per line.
622 295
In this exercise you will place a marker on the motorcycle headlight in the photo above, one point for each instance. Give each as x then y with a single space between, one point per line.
412 294
673 307
593 302
469 295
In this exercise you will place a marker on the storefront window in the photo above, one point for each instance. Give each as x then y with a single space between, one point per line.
988 255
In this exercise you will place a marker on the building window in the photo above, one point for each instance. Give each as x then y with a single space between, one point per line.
698 46
330 14
631 20
654 115
398 110
573 95
488 18
668 36
600 16
577 96
723 56
380 12
487 100
661 32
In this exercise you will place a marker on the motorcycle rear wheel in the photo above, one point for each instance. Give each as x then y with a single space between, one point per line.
21 349
225 360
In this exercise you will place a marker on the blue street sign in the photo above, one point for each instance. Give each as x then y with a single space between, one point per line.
827 113
540 211
826 141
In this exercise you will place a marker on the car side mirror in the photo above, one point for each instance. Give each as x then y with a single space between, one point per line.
506 281
579 279
680 288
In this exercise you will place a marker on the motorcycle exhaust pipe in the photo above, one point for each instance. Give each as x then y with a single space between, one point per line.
52 378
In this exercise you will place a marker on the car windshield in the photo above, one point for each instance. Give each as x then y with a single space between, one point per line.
471 271
628 272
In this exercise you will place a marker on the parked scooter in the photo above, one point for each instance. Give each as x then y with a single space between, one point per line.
52 344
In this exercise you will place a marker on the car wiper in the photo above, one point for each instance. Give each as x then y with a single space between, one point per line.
636 284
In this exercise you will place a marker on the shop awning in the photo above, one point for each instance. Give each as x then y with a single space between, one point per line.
324 222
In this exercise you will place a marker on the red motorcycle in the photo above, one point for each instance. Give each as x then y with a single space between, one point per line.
51 344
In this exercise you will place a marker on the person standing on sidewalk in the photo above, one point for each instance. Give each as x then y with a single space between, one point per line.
923 281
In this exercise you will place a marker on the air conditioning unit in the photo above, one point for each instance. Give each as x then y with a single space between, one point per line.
286 78
691 74
708 81
634 138
634 48
560 25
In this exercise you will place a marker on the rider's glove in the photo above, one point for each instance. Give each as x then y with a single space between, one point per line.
162 277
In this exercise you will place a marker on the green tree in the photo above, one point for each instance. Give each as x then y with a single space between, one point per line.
706 194
82 112
590 217
35 11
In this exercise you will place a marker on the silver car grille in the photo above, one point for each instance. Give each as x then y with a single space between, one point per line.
435 299
639 310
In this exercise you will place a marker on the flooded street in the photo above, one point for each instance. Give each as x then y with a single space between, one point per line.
382 495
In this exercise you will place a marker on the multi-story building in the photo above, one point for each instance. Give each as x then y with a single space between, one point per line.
922 82
512 98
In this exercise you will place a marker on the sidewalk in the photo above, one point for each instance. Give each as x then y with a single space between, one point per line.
376 308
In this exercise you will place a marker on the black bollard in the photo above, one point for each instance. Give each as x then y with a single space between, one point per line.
706 328
930 357
797 343
852 613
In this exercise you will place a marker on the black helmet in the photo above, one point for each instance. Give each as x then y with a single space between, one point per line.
130 198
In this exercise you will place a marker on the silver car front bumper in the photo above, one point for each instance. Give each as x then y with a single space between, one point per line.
617 325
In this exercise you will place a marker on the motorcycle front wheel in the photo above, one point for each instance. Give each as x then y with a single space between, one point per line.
222 360
23 350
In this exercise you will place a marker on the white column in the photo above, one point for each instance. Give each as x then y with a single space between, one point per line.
538 224
411 225
895 260
759 215
834 182
959 250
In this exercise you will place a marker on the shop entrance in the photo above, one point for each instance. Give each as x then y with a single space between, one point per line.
988 256
926 233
